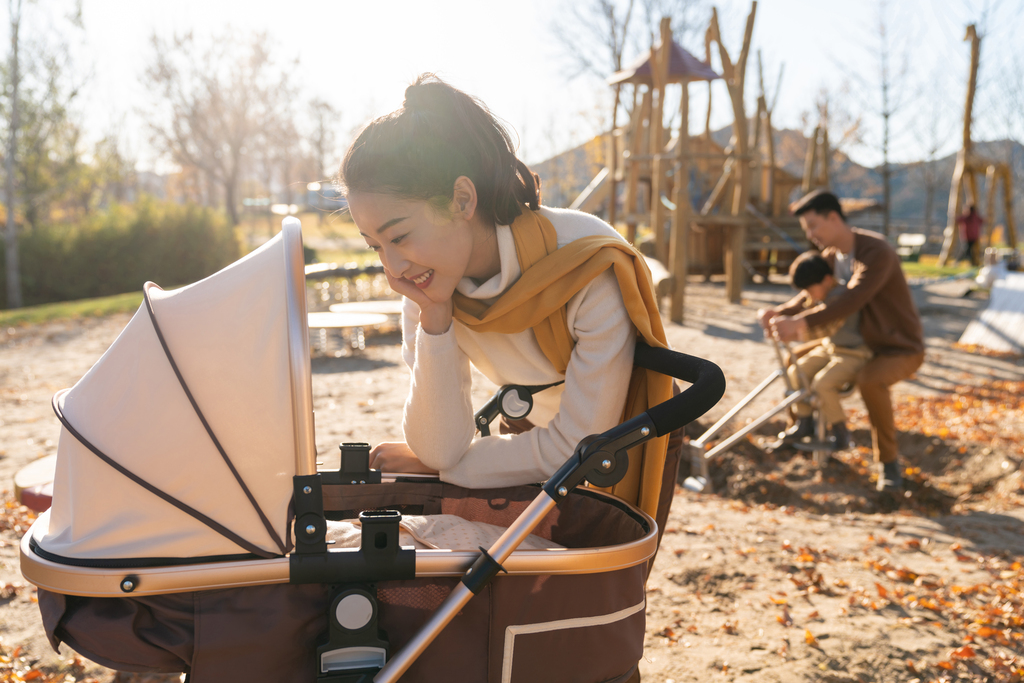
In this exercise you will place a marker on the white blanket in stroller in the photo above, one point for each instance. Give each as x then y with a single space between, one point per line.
448 532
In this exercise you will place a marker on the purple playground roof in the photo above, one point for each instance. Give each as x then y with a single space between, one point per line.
682 66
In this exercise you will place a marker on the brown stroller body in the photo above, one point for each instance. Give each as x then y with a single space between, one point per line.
211 556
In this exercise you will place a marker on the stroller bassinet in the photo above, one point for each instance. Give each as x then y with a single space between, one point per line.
189 521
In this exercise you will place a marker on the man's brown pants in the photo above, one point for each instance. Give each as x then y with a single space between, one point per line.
874 380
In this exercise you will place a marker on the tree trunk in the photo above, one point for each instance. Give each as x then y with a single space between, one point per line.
11 260
231 199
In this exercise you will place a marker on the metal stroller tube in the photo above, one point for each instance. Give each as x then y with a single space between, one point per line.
594 459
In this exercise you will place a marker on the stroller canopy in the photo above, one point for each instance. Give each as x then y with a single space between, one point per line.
180 442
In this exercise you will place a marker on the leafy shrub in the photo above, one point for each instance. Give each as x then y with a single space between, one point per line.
119 249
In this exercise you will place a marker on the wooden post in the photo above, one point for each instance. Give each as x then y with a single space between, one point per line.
629 208
757 187
680 238
734 76
1011 230
613 160
659 76
825 155
954 209
990 206
809 159
974 199
949 244
770 138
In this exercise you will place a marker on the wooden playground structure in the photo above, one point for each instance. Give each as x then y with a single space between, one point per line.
969 165
741 226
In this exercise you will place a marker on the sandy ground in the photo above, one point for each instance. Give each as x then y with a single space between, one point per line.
784 572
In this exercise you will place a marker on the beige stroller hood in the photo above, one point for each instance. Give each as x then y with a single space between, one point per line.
181 441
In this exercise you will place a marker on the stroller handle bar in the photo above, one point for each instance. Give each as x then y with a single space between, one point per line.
707 386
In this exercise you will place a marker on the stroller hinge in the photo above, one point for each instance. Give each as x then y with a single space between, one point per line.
310 522
601 459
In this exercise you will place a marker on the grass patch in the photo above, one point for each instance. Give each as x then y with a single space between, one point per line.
928 267
68 310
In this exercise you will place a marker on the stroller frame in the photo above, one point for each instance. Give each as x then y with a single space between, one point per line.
354 653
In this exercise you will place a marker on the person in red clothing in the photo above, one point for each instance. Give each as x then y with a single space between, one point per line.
969 223
889 322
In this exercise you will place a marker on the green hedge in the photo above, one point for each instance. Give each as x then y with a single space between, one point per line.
119 249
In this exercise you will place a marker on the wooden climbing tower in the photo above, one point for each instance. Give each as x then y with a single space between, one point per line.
969 166
649 159
741 226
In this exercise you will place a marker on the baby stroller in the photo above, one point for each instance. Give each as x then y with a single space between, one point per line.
207 550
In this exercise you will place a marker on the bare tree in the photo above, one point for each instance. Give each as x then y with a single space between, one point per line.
593 35
215 101
890 78
41 154
689 21
324 122
884 90
11 231
843 128
933 131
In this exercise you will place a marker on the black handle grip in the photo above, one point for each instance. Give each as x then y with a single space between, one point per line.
706 379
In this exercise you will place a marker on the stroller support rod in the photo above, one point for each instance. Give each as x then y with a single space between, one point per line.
717 427
457 599
791 399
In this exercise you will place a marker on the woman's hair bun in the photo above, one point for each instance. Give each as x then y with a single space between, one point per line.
425 94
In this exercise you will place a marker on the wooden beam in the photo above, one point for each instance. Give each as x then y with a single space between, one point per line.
659 74
629 203
951 236
613 159
954 208
990 206
679 248
809 160
735 74
1011 229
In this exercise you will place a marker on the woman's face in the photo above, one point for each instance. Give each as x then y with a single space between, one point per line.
417 244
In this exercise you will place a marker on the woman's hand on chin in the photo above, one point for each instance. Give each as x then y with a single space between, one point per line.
397 457
435 318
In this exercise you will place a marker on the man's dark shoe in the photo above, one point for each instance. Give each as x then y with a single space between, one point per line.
840 436
889 478
803 429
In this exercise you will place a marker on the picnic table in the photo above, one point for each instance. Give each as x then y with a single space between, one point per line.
385 306
350 324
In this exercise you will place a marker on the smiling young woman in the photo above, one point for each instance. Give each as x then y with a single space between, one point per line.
526 294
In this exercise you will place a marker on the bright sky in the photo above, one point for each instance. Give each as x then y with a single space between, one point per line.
360 55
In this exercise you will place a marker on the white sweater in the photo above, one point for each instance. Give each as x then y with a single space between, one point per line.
438 419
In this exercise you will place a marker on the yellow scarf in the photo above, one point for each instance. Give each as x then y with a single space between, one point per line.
552 276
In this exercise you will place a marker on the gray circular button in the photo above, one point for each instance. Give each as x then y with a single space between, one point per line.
354 611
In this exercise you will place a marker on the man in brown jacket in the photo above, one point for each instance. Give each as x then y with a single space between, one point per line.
877 291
